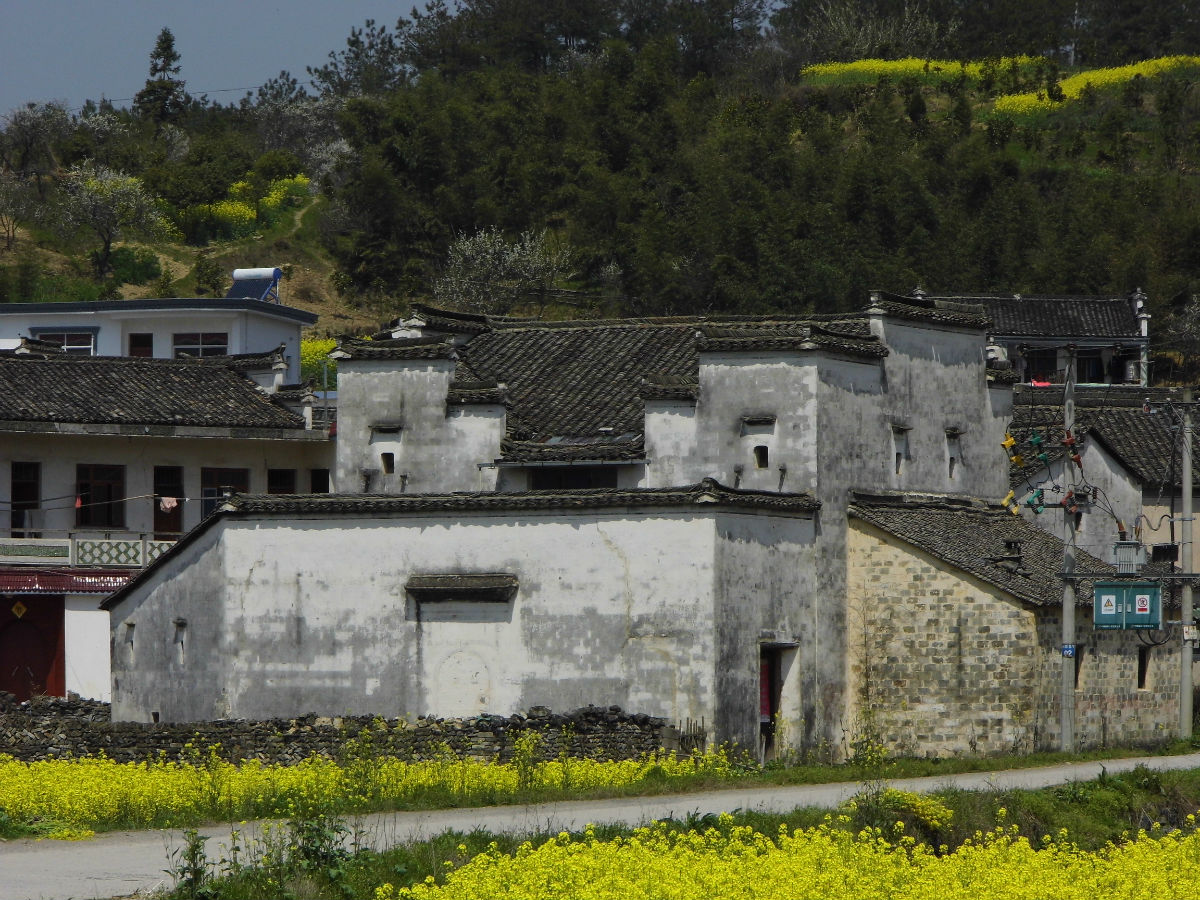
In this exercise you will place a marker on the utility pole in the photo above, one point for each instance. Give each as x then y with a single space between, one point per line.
1186 613
1067 696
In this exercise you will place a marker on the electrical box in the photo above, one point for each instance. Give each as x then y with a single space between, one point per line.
1126 604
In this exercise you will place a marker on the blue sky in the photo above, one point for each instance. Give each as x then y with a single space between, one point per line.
72 50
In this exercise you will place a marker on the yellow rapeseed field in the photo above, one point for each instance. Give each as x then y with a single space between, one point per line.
1023 105
928 71
98 793
822 863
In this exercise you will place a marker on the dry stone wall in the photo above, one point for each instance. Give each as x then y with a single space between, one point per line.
54 728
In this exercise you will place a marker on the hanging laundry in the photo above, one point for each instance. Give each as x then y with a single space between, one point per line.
166 504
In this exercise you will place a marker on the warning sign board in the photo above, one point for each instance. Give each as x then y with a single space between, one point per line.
1128 604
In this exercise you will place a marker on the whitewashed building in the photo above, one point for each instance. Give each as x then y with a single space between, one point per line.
106 462
161 328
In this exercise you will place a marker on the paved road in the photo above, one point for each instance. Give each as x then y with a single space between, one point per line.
118 864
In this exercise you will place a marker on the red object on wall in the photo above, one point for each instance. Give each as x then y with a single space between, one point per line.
764 691
32 659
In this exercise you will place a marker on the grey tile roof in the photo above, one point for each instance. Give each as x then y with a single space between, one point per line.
467 391
1146 443
574 382
246 362
587 379
393 348
955 311
623 447
97 390
706 493
788 336
1046 315
972 536
657 386
576 390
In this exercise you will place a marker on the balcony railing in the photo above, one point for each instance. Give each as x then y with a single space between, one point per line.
133 551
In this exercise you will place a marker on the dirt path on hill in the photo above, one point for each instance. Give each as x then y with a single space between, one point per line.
120 864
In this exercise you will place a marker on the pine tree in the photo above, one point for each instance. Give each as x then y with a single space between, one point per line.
163 98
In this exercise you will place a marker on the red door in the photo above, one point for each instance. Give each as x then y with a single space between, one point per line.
31 646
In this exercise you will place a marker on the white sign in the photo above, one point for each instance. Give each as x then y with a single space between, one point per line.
1143 603
1108 604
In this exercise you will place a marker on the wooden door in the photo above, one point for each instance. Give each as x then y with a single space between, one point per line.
31 646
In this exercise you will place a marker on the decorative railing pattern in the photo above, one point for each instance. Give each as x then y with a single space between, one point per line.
123 552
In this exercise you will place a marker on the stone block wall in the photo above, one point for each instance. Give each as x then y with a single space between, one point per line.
1110 706
49 728
940 663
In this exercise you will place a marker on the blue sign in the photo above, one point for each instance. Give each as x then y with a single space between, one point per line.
1069 651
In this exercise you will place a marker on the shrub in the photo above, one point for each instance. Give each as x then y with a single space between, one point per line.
134 266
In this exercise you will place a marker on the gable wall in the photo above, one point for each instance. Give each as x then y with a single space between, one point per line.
734 385
936 379
1097 530
313 616
435 451
149 675
765 576
940 662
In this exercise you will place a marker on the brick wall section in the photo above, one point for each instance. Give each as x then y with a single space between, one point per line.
49 728
946 664
1109 707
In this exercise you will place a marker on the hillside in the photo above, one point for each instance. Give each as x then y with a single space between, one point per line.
631 179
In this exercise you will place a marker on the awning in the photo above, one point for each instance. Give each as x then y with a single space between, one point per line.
18 580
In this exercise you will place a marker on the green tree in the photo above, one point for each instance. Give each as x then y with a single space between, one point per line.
163 99
372 63
17 205
107 205
30 139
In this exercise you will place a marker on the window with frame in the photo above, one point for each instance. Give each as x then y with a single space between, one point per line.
100 496
1089 367
900 446
216 484
141 344
1041 365
200 343
26 485
73 343
281 481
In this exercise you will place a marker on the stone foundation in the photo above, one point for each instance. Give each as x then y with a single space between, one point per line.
56 728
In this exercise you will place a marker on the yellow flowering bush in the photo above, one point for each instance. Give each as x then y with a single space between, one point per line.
313 353
243 211
819 864
1026 105
98 793
233 218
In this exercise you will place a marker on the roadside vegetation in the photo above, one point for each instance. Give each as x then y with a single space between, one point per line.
73 798
1128 835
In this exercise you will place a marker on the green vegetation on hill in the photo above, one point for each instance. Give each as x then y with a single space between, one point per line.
653 158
